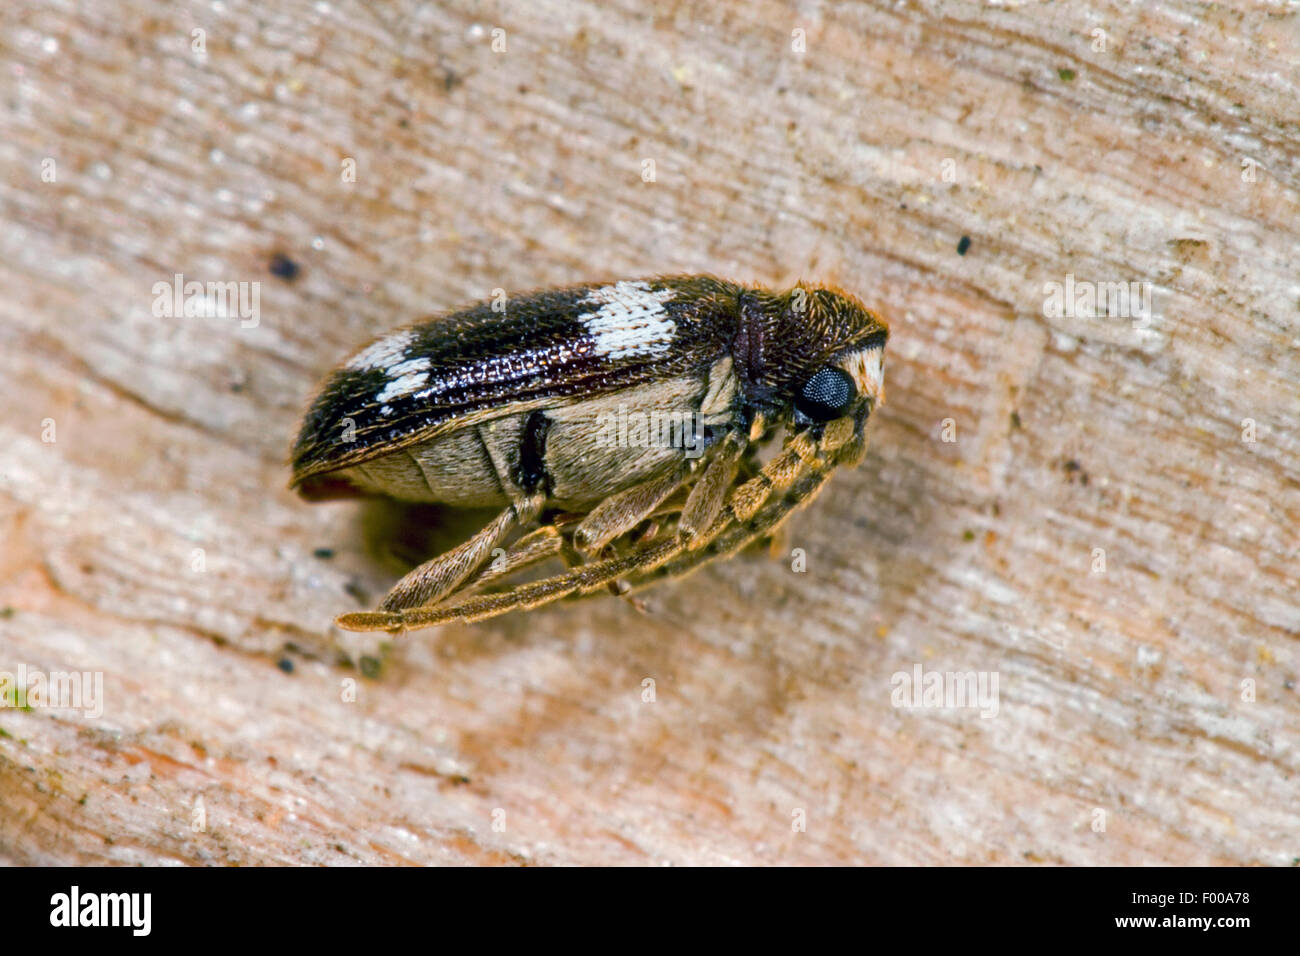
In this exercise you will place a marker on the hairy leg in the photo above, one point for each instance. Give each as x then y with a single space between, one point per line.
793 478
440 576
622 512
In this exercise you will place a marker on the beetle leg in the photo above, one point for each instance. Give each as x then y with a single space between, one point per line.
733 533
533 548
747 517
540 545
576 581
776 543
669 558
800 451
438 577
709 494
776 476
622 512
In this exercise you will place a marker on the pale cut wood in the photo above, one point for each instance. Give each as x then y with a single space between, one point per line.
1101 512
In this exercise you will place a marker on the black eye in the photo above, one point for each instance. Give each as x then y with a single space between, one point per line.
826 395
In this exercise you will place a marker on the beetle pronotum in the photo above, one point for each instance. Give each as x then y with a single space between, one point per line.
519 408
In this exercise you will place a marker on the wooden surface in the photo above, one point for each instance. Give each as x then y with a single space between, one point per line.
1120 691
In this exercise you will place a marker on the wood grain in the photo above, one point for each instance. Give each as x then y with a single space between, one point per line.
153 540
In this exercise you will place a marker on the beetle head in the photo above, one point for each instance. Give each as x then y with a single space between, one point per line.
814 354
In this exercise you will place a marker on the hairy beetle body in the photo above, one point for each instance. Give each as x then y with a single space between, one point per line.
611 400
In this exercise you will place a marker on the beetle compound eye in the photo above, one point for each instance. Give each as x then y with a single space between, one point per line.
826 395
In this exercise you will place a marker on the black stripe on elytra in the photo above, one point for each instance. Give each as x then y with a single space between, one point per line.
530 474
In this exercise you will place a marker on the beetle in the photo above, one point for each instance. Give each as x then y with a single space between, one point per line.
522 405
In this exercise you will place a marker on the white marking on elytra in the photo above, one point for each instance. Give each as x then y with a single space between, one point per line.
405 378
631 320
867 369
384 354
